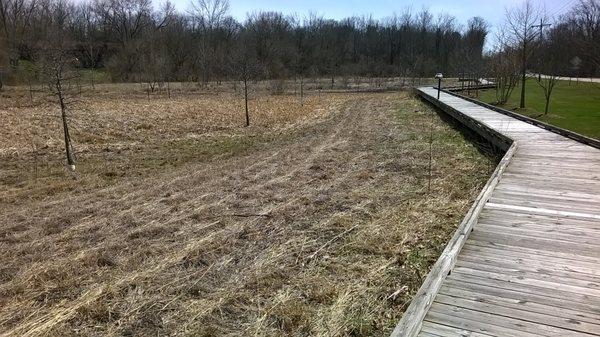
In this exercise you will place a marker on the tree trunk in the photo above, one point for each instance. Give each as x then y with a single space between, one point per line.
246 101
92 78
68 148
301 91
523 77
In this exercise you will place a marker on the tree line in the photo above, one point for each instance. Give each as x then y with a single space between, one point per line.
133 41
534 42
571 45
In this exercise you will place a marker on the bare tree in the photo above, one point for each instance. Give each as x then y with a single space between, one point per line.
120 35
246 66
504 66
521 34
15 20
61 82
586 17
208 16
300 54
4 62
473 43
245 76
88 35
547 83
125 22
552 51
210 13
59 72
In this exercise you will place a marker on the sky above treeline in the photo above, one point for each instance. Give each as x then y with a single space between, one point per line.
491 10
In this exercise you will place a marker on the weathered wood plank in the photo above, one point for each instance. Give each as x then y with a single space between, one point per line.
453 315
493 306
584 294
585 283
543 211
547 234
479 239
544 225
447 331
525 267
571 265
477 321
531 266
521 300
548 245
412 319
554 297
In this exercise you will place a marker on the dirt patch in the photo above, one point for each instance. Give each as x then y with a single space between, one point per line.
325 229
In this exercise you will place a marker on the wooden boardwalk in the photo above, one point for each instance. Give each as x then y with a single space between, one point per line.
526 259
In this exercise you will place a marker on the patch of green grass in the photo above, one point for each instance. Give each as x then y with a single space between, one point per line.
573 106
95 75
98 170
28 72
185 151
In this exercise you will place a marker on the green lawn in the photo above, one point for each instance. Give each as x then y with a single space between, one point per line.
573 106
95 75
27 72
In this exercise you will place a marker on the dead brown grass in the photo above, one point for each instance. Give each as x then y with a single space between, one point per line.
321 226
119 133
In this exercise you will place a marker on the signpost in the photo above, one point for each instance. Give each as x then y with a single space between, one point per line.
439 76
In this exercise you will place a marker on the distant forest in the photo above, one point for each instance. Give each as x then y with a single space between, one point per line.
133 41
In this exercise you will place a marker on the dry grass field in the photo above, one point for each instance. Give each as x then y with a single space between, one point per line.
314 221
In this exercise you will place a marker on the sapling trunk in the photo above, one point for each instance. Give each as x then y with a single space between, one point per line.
30 88
430 153
68 148
301 91
246 101
523 76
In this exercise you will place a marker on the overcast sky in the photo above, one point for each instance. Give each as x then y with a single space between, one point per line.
491 10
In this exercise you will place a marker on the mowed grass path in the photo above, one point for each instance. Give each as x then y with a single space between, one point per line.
573 106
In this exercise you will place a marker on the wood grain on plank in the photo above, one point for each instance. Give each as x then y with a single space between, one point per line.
531 265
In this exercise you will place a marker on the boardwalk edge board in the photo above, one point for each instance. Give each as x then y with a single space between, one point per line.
471 87
410 324
486 132
566 133
510 140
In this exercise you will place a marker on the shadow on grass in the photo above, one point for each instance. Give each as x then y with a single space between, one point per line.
485 147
